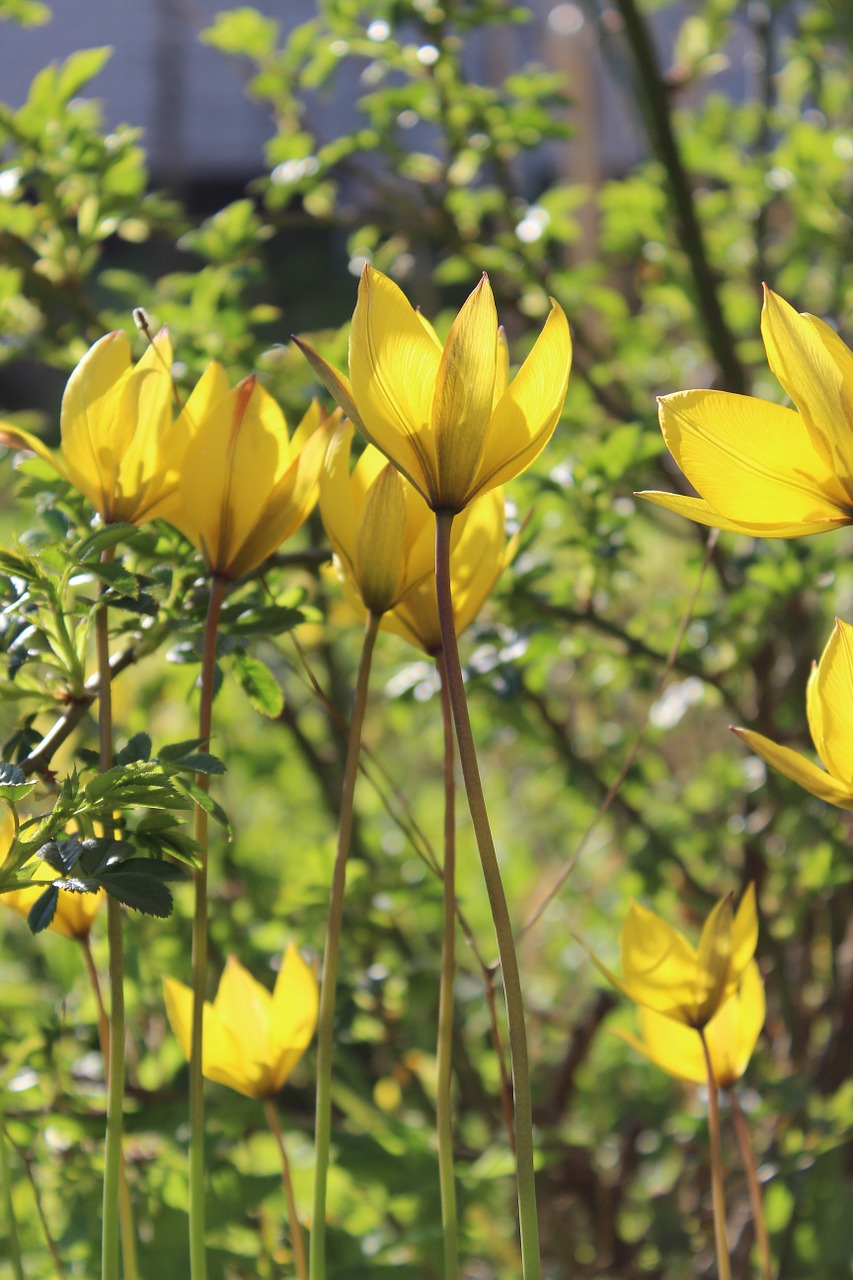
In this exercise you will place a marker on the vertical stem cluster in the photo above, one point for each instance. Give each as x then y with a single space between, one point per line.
762 1239
444 1114
325 1025
723 1262
198 1257
115 1064
528 1224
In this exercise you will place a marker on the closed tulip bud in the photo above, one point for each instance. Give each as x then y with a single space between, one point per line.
379 557
245 484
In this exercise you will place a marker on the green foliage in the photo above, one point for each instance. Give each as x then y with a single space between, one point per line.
439 170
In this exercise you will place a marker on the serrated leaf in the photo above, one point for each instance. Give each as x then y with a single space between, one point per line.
42 911
200 762
14 784
259 684
205 801
271 620
138 890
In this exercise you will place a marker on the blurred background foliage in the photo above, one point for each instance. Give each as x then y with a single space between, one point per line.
437 174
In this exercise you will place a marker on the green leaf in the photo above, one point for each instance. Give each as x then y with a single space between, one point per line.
42 911
259 684
244 32
79 69
136 748
139 890
13 783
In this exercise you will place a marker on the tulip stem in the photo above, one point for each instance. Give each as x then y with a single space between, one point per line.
113 1158
444 1051
11 1223
723 1262
762 1240
125 1205
527 1217
198 1257
296 1236
326 1020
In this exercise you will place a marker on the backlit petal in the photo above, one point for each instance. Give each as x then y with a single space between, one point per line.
524 418
799 769
752 461
394 363
714 957
464 393
659 965
293 1015
831 691
744 934
700 511
810 373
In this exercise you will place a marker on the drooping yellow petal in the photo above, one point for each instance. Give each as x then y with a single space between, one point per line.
527 413
754 463
700 511
798 354
464 394
12 437
800 770
394 364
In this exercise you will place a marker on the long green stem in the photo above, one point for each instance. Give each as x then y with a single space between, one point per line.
528 1224
723 1262
444 1115
325 1026
297 1239
115 1065
198 1256
762 1239
125 1205
11 1223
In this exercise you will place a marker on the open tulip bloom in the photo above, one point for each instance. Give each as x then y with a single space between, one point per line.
253 1038
760 468
119 446
731 1036
663 972
448 417
829 710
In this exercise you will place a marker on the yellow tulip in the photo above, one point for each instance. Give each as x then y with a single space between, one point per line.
74 915
664 972
245 486
253 1038
119 447
448 417
829 711
762 469
731 1036
383 534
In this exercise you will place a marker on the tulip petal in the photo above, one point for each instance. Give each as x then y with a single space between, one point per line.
524 418
829 701
744 935
380 553
464 393
337 504
670 1045
714 959
293 1015
394 363
15 438
701 512
810 373
799 769
658 963
754 462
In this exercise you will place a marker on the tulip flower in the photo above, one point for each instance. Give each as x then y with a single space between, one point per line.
662 971
74 915
731 1036
245 485
119 447
829 710
383 534
759 468
448 417
253 1038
